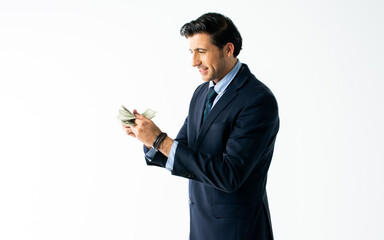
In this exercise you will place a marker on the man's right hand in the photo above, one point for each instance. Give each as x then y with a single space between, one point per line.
129 131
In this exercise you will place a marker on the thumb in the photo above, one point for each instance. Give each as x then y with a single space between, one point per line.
138 115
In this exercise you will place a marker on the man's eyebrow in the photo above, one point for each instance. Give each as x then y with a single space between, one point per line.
198 49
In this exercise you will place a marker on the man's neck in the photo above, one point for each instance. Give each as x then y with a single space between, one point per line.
231 65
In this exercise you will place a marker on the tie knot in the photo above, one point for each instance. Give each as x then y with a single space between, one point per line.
211 95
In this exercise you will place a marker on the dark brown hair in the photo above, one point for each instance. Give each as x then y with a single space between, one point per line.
219 27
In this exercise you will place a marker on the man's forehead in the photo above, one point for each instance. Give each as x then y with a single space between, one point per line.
199 41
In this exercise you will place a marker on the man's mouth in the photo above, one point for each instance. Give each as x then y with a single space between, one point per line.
203 70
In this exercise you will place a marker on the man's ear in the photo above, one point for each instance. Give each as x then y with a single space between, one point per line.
229 48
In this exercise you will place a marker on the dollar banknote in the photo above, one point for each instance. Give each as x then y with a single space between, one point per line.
128 118
149 113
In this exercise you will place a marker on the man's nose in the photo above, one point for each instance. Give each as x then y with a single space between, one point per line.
195 60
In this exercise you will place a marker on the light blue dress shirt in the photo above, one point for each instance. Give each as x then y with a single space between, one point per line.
220 88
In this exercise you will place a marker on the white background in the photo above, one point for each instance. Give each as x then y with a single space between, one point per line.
67 171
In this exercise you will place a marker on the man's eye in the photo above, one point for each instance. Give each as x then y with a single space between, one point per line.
202 51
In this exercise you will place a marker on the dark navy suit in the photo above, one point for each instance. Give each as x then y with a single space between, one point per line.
226 159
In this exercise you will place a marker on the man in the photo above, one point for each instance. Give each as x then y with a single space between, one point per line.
226 144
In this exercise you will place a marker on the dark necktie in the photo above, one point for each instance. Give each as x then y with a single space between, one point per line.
208 105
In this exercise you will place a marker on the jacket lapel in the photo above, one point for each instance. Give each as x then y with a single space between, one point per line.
216 110
195 115
228 96
200 104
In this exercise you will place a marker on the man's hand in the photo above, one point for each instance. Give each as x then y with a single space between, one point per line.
145 130
128 130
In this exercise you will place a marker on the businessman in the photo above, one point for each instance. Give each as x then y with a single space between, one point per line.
226 143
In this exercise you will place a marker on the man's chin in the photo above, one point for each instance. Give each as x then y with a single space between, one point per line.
205 78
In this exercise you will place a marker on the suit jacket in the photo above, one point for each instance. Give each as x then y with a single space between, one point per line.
226 159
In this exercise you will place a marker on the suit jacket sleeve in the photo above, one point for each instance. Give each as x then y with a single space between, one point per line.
248 147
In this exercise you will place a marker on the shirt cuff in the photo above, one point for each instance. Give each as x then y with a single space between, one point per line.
150 154
171 156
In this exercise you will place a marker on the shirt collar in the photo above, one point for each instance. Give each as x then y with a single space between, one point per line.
223 83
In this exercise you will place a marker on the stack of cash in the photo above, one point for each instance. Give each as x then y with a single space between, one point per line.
128 118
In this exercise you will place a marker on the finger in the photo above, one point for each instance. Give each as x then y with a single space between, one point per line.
127 130
138 115
137 121
131 134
